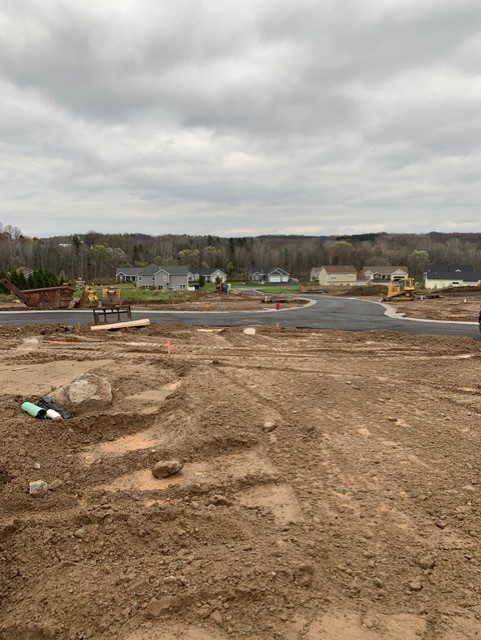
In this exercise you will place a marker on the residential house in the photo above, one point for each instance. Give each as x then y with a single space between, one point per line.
25 270
314 275
442 276
268 275
382 275
209 274
278 275
128 274
339 275
165 277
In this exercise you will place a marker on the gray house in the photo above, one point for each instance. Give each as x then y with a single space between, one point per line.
128 274
381 274
165 277
209 274
268 275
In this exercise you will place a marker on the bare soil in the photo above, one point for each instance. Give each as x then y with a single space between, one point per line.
458 308
330 488
210 303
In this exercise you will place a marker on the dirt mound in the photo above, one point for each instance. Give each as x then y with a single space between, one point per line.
365 290
461 291
329 487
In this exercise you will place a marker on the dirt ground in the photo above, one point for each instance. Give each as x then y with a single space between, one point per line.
461 308
330 488
214 303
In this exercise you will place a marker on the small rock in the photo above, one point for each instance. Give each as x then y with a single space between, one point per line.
378 583
269 425
441 524
166 468
56 484
80 533
156 608
38 488
216 616
36 465
392 419
415 585
219 500
250 331
426 562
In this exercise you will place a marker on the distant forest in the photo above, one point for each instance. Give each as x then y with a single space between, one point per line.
95 256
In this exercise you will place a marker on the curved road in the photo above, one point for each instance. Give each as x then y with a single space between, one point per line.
322 313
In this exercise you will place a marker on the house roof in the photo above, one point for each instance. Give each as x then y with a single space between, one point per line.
172 269
385 271
266 272
202 271
469 276
129 271
340 268
151 270
449 268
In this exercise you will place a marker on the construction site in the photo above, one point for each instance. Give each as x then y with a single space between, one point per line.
322 485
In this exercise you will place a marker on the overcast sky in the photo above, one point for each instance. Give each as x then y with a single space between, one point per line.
240 118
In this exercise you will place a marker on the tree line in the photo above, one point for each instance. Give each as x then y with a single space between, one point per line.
38 279
95 256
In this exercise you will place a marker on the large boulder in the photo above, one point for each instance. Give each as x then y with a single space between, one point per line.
90 392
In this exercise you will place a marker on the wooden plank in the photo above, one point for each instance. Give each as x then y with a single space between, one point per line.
120 325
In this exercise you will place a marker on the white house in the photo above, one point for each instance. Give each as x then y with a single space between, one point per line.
209 274
382 274
439 277
339 275
268 275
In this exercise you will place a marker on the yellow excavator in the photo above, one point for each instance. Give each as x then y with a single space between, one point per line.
89 300
400 289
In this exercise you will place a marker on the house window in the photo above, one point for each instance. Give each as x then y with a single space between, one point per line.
164 277
181 286
140 277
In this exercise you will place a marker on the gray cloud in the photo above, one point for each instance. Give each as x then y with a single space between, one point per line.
313 117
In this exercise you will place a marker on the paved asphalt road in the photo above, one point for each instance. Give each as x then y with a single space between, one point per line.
326 313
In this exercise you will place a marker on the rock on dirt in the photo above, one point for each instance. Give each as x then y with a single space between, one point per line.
166 468
89 392
56 484
219 501
269 425
38 488
157 608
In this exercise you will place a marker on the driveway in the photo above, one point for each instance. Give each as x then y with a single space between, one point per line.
323 313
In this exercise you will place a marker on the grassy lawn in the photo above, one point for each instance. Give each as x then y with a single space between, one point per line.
267 287
129 293
277 290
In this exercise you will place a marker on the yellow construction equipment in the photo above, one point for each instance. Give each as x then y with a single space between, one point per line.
402 289
88 298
